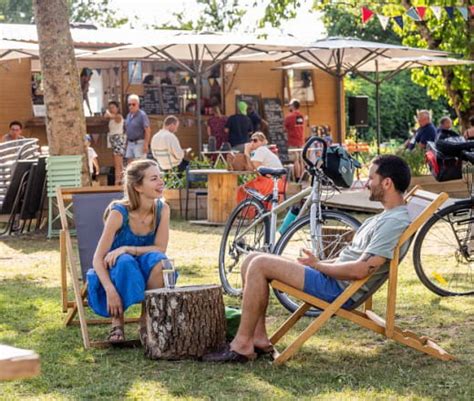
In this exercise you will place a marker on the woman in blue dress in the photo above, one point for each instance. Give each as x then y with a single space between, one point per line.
128 258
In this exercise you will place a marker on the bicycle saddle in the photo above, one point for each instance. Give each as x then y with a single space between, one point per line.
274 172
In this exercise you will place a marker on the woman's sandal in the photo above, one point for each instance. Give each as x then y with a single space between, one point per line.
116 331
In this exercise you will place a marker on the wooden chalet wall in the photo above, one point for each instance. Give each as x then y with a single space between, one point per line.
260 79
15 93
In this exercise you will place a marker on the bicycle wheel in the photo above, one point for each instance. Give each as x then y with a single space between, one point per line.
239 239
443 253
338 229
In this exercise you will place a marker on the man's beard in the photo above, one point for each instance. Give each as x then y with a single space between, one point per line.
376 194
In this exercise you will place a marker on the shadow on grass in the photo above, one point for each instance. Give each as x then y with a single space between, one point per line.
31 243
31 318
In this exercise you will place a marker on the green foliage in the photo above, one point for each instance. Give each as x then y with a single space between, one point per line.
16 11
415 159
98 12
215 15
278 10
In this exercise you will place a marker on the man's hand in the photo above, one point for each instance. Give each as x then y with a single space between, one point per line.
309 259
111 258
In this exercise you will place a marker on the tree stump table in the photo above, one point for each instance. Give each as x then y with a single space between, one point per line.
184 322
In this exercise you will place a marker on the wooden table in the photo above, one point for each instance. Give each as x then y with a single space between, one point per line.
16 363
221 195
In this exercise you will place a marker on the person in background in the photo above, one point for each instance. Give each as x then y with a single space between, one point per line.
166 139
294 127
170 76
445 123
15 133
469 133
215 126
259 154
92 158
149 79
258 123
128 258
116 138
137 128
426 131
238 127
86 75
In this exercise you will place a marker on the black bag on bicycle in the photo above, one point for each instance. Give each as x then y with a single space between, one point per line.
442 167
340 166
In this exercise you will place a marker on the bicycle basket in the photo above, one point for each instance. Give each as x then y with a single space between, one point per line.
340 166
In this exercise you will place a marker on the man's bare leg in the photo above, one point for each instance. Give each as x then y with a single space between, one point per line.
259 271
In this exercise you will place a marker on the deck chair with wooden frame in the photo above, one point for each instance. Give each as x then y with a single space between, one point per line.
88 205
421 206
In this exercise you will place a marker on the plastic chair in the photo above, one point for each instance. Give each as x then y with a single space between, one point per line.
62 171
194 179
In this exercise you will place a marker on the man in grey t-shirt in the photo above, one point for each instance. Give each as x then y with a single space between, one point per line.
369 254
137 128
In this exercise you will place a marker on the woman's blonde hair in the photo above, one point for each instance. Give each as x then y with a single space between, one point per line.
133 176
260 136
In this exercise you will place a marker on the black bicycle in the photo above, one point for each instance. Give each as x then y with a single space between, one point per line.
443 252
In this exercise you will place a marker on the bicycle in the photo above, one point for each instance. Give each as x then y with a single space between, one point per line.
251 227
443 252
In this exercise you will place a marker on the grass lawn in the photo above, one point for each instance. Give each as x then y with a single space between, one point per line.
341 362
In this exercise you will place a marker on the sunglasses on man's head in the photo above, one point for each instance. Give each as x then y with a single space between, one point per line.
254 140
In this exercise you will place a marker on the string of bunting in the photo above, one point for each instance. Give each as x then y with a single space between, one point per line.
416 14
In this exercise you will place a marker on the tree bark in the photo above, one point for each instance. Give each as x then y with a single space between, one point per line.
65 122
184 323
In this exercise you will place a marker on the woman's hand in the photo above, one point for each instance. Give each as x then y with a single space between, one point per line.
114 302
308 260
111 258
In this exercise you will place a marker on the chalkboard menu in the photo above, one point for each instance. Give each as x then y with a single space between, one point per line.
253 100
273 114
169 99
160 99
150 102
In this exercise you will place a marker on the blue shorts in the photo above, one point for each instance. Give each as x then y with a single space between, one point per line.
135 149
322 286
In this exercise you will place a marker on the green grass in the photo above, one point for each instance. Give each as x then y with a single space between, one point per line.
341 362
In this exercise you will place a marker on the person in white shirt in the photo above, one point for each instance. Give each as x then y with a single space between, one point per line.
260 155
166 140
92 157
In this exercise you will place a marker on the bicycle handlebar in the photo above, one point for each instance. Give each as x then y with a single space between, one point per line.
307 145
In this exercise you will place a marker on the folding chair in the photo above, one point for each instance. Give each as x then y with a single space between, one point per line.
421 206
190 179
88 205
173 177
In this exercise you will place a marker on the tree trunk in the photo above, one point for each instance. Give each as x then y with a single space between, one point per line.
183 323
65 122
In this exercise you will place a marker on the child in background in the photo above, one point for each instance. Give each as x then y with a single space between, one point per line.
92 158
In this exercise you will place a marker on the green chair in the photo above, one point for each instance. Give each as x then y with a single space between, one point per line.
64 172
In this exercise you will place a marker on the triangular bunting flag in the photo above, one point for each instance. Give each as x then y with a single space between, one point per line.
472 9
463 11
383 21
450 11
436 11
413 14
366 14
421 11
399 20
99 70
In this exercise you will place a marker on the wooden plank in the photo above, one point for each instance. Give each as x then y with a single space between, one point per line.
16 363
221 198
63 266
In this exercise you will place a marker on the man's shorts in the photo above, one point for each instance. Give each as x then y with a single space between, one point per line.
322 286
135 149
294 156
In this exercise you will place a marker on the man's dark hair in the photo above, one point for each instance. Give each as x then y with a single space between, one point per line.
395 168
16 123
170 120
295 104
471 120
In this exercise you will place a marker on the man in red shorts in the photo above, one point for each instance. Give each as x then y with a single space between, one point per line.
294 126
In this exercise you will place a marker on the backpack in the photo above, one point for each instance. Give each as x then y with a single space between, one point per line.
442 166
340 166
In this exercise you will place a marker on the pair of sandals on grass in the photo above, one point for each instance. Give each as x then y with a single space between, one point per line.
117 333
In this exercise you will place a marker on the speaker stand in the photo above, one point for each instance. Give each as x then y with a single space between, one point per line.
358 183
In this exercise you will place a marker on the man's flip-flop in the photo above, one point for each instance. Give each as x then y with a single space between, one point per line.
228 355
266 351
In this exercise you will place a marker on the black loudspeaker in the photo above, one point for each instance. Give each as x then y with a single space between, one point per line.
358 111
